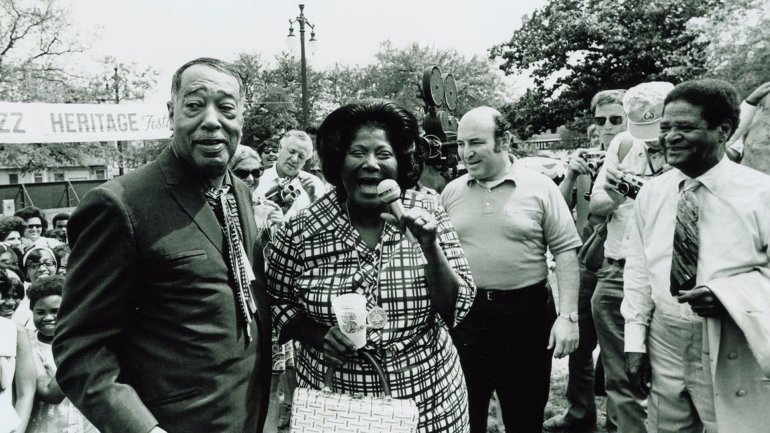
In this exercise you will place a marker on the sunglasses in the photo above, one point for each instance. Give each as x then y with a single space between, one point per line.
34 226
601 120
243 174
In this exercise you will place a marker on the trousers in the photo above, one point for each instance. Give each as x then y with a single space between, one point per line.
681 399
626 407
502 345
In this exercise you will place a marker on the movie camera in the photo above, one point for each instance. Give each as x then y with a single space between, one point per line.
283 194
438 147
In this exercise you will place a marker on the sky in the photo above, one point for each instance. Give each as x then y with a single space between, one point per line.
165 34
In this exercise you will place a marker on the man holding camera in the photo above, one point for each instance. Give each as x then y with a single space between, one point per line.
643 108
285 183
697 284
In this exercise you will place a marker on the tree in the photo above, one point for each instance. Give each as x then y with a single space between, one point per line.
34 36
397 75
739 51
575 48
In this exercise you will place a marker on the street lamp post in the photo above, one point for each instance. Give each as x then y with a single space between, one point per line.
302 21
116 83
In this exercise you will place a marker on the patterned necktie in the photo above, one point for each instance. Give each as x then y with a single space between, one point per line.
684 261
226 209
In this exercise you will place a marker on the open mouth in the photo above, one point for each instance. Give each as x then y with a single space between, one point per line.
368 185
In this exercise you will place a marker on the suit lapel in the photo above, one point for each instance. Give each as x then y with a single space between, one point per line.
186 190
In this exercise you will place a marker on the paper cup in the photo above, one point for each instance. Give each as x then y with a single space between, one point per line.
350 310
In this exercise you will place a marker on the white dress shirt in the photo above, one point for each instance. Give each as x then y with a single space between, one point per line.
635 162
270 179
733 232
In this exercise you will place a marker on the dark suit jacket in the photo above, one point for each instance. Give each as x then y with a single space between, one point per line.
148 328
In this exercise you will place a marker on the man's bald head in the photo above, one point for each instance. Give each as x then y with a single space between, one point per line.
483 139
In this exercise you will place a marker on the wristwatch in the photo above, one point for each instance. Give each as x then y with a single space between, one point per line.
572 317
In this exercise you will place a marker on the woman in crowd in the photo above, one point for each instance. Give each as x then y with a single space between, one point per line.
36 226
11 229
345 242
17 369
247 165
37 262
52 412
9 257
268 151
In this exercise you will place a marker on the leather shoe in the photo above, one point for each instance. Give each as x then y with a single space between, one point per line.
559 424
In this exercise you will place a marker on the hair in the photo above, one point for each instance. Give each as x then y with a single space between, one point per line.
242 153
501 127
338 130
50 285
311 130
33 254
607 97
219 65
10 224
717 99
32 212
60 251
10 286
295 133
59 217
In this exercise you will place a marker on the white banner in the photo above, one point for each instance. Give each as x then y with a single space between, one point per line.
67 123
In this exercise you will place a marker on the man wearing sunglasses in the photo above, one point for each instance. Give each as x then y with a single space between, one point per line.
609 120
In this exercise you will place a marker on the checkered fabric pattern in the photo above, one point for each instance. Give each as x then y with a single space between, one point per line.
314 259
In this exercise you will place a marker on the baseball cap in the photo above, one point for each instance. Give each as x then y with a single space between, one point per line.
643 105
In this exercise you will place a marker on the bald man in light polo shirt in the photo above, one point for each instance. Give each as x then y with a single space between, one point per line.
507 216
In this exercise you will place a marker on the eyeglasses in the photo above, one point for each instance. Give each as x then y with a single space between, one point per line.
38 265
601 120
34 226
243 174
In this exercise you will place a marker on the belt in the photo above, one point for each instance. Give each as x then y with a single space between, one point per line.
508 295
615 262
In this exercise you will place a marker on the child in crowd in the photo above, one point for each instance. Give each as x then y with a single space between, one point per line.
52 413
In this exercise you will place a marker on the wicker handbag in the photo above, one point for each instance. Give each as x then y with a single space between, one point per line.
323 411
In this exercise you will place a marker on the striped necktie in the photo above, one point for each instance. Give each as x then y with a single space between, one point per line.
684 261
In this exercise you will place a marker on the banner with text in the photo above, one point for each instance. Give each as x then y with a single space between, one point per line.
68 123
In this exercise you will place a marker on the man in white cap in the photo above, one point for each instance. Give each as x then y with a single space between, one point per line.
643 106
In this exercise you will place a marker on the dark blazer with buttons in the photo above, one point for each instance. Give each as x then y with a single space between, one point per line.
149 332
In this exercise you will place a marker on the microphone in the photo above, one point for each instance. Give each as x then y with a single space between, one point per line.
389 192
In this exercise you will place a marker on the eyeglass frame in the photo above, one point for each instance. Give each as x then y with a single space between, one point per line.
602 120
256 173
36 265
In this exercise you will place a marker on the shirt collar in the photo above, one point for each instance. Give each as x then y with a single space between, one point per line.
713 179
510 175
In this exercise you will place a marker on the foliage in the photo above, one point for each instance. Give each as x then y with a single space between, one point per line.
574 48
397 75
35 35
35 157
739 51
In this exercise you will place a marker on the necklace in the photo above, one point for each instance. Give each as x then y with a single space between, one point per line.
377 317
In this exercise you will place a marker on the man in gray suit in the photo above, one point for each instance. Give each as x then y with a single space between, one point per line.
164 325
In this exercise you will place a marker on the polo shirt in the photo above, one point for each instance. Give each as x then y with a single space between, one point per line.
505 230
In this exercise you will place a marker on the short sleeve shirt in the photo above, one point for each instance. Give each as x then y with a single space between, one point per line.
505 230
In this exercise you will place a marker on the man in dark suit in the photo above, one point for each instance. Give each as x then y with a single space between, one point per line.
164 324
